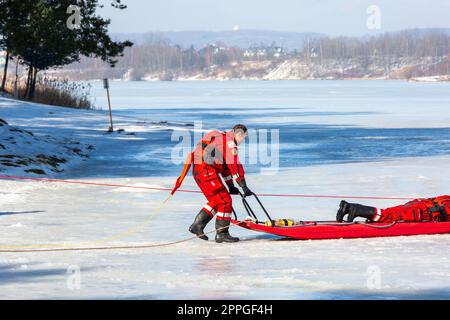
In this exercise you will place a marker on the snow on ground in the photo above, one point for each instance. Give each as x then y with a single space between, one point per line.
260 266
431 79
23 152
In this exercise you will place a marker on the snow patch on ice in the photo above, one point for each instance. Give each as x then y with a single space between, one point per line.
16 225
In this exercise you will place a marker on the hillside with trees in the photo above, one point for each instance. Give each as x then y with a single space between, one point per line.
401 55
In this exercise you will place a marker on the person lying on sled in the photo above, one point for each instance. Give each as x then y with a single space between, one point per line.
217 155
431 209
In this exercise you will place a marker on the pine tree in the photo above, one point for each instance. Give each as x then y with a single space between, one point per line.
42 40
11 15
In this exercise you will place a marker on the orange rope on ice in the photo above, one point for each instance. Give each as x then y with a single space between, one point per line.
142 246
73 247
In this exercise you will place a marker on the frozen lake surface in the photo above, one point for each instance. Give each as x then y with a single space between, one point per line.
397 122
319 122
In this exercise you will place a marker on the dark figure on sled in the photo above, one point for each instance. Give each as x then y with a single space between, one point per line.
431 209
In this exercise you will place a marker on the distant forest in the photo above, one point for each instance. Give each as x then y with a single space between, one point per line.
158 57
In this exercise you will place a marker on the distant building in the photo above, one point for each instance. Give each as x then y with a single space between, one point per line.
214 48
255 52
219 49
313 53
279 52
249 53
262 52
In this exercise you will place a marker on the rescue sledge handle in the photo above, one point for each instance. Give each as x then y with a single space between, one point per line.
249 209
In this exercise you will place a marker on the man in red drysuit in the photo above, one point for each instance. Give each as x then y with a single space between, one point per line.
217 155
431 209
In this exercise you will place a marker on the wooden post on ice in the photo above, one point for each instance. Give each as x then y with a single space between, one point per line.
106 86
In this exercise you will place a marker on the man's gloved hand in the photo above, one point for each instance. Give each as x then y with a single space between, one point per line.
232 189
247 191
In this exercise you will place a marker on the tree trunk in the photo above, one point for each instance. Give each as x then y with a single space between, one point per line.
33 83
5 71
27 88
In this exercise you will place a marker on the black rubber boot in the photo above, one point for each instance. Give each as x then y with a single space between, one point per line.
357 210
200 222
343 210
223 235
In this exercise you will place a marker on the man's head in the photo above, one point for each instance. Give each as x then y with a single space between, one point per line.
240 133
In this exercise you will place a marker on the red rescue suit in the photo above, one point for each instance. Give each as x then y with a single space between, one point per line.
217 155
432 209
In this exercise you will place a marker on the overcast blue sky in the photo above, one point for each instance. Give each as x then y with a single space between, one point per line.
347 17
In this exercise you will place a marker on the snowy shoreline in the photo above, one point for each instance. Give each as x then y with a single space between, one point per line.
431 79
